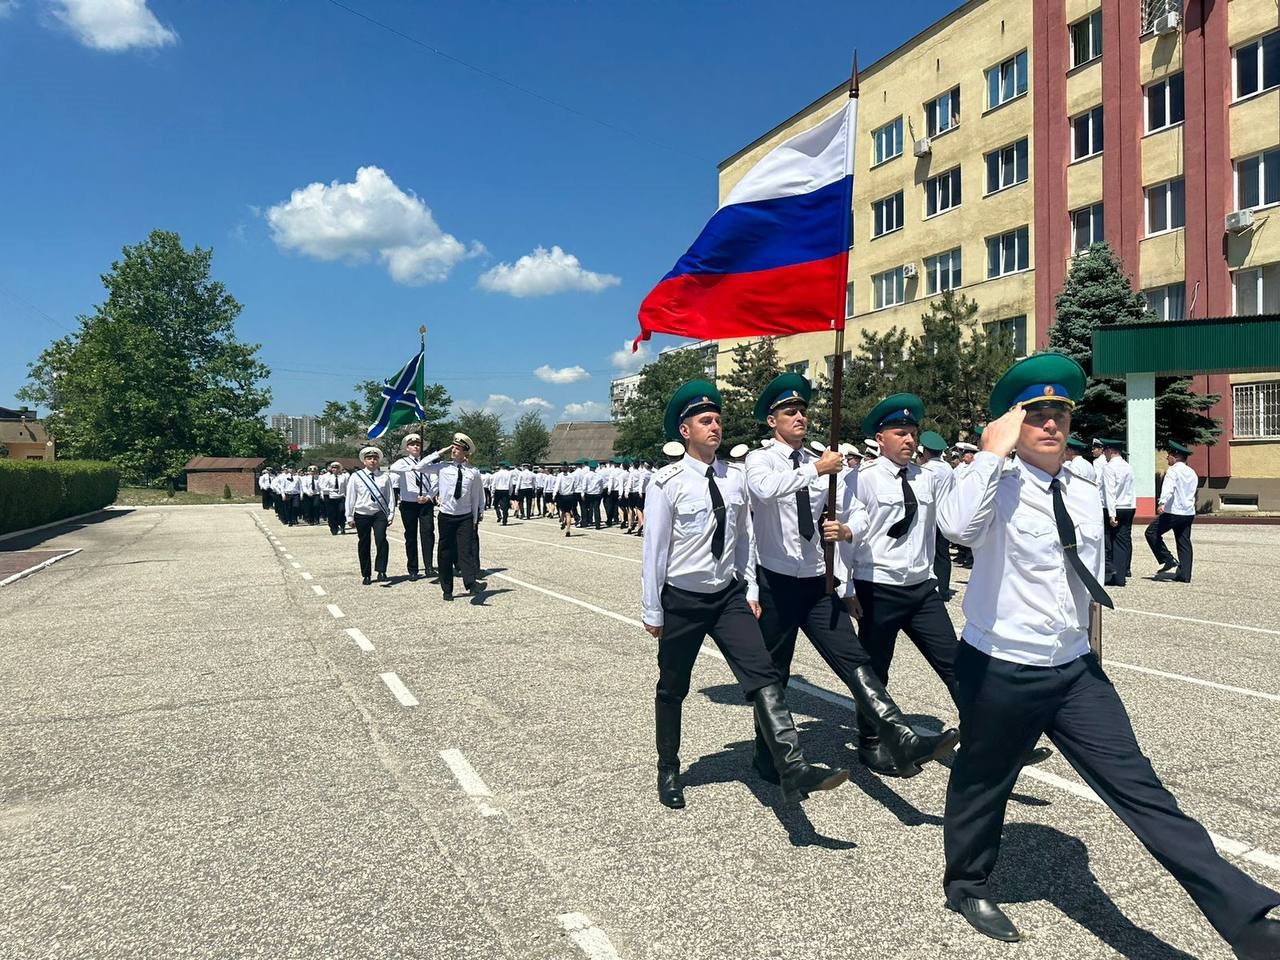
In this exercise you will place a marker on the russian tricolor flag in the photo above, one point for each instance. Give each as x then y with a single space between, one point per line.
774 258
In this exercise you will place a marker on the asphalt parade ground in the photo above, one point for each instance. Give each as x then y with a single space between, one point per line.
214 742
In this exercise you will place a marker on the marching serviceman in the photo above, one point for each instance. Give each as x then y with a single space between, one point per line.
1176 511
696 582
788 487
1074 459
291 491
932 447
595 481
333 497
369 504
461 509
1025 667
1121 505
417 507
264 487
540 490
502 492
527 485
311 496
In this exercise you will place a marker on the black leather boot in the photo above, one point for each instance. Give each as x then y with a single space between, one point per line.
799 777
666 717
762 761
906 748
872 751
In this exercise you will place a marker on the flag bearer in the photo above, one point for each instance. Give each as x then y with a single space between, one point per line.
417 507
696 581
1024 666
370 494
1176 509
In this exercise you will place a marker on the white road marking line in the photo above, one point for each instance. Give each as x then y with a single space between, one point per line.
1257 855
562 546
319 591
1207 623
295 564
335 612
39 566
587 937
288 556
1245 691
306 576
470 781
400 691
356 634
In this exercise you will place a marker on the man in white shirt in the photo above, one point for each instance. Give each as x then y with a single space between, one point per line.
333 494
264 487
460 492
502 483
1121 504
1176 511
789 488
291 491
417 507
1025 667
1075 460
696 581
594 493
932 446
539 491
370 510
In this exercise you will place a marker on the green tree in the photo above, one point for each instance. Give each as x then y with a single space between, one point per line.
485 430
754 365
349 420
528 440
640 424
155 375
874 370
1097 293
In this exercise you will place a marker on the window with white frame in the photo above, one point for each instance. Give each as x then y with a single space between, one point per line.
1086 140
1007 80
801 367
1256 408
1014 328
849 302
1166 103
942 192
1009 252
886 215
942 272
1168 303
886 141
888 288
1257 65
1086 39
942 112
1257 290
1086 227
831 362
1258 180
1166 206
1007 166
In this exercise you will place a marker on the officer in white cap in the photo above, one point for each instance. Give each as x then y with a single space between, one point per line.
417 506
461 510
370 509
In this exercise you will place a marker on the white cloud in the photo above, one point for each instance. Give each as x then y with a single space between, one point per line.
544 272
572 374
112 25
7 7
628 362
507 408
591 410
368 217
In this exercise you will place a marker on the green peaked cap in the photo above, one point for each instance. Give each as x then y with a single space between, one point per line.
932 441
693 397
899 409
1044 377
782 389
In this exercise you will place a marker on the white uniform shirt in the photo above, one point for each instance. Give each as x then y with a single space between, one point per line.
290 485
905 560
1081 467
678 528
1117 485
445 476
526 480
502 479
1178 490
361 498
264 480
413 486
540 481
334 486
1023 603
311 485
553 484
594 483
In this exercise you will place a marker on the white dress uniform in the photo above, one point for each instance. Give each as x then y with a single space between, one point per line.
1120 503
369 505
417 511
1177 502
502 483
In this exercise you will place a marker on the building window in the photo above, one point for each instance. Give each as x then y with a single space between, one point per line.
1257 410
1087 139
887 142
942 113
802 368
942 192
831 363
1168 303
1014 328
1086 227
888 288
848 299
1007 81
1086 39
1007 166
1166 206
1153 10
942 272
1008 252
1166 103
1258 290
886 215
1257 65
1258 180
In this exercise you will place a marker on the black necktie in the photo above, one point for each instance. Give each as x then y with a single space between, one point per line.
909 504
457 487
804 509
717 507
417 478
1067 535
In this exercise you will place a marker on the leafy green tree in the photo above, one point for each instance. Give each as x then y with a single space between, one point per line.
754 365
874 370
485 429
155 375
1097 293
529 439
640 424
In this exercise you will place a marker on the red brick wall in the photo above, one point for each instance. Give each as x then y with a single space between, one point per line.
211 482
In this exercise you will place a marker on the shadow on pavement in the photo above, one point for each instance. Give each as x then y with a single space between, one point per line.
36 537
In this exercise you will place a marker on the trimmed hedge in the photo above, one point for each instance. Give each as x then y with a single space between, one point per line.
33 492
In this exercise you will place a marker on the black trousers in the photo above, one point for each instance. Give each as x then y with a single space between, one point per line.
335 510
460 548
502 504
1004 707
610 508
311 508
526 500
542 508
942 563
917 611
375 525
791 604
726 618
488 498
591 512
266 499
1181 527
1119 545
292 507
419 519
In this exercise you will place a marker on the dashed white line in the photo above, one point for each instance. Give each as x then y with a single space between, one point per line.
587 937
470 781
356 634
399 690
1245 691
335 612
1207 623
319 591
295 564
288 556
306 576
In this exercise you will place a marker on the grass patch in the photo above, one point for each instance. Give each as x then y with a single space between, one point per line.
149 497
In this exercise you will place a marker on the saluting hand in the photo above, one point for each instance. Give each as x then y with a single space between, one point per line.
1000 436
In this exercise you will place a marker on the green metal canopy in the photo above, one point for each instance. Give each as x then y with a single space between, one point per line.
1185 347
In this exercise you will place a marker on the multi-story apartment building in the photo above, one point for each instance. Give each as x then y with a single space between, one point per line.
1008 135
622 389
304 431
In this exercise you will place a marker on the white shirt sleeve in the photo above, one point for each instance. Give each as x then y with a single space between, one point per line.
657 550
769 484
967 505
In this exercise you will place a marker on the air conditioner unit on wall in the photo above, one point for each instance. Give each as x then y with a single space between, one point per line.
922 147
1169 23
909 270
1239 220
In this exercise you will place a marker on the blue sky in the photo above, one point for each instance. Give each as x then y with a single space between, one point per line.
523 234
